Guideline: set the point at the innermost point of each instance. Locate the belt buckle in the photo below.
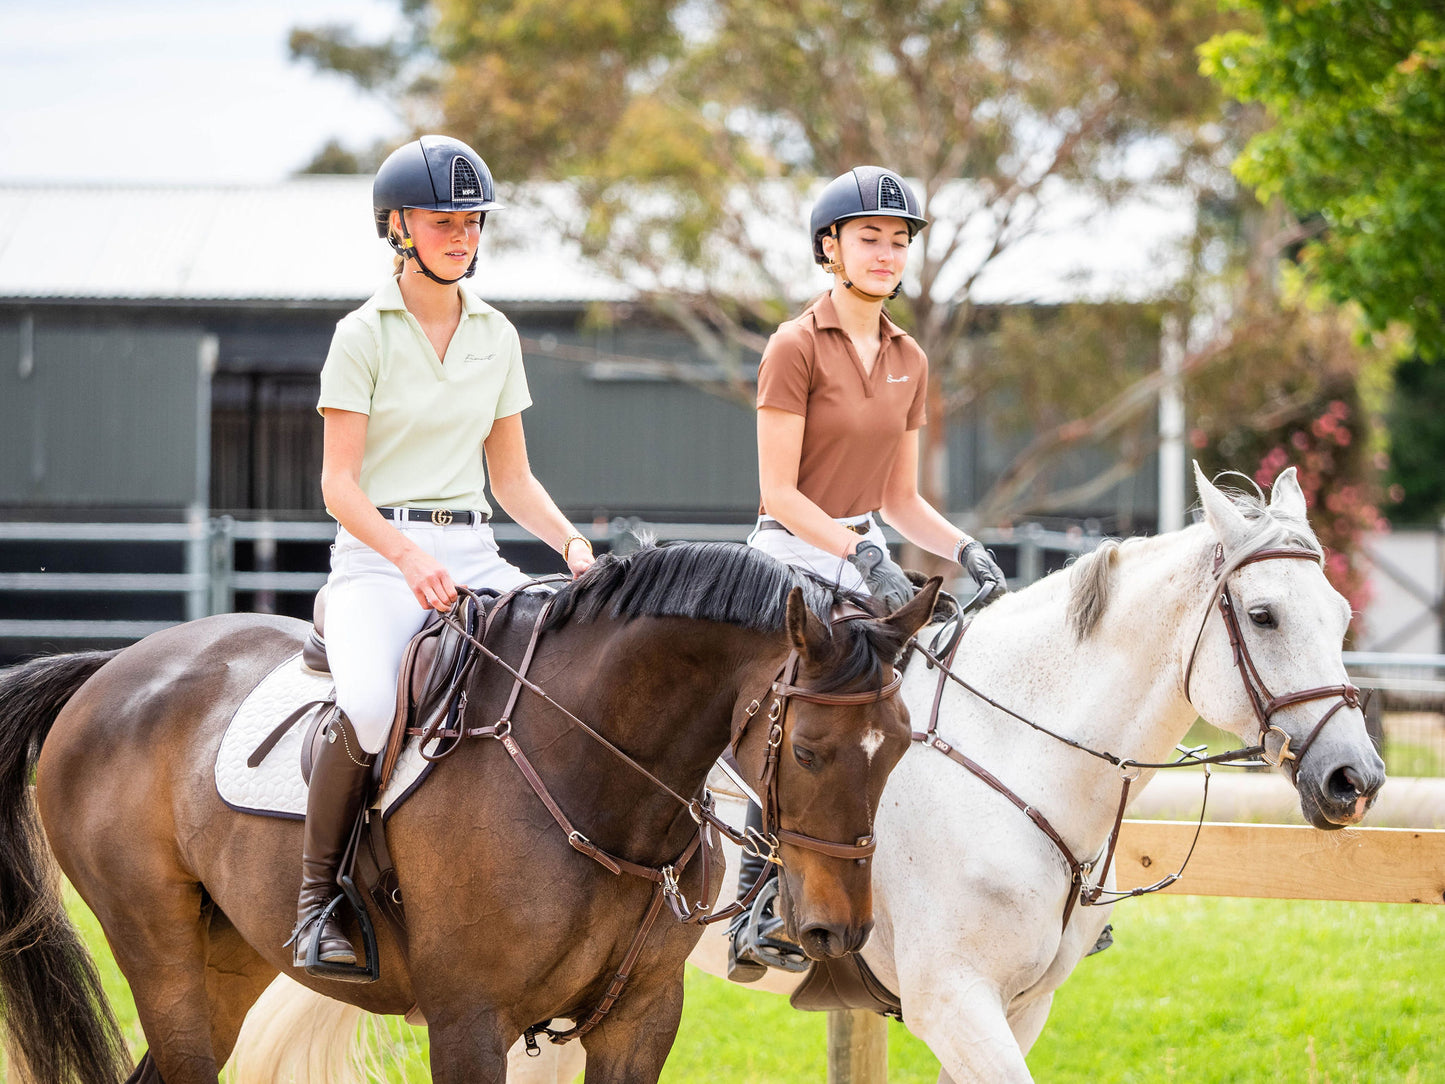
(441, 516)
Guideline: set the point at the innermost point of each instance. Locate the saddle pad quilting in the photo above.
(275, 787)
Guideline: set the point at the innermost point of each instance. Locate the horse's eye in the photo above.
(1263, 617)
(804, 757)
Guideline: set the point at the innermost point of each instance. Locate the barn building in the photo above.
(158, 366)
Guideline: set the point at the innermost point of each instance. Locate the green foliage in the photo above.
(1299, 391)
(1416, 476)
(1356, 96)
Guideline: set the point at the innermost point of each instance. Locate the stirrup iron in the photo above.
(753, 946)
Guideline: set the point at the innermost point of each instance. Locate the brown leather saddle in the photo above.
(433, 672)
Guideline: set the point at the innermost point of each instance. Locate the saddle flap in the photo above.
(845, 983)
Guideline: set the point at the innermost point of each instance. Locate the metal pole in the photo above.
(857, 1047)
(222, 597)
(198, 549)
(1171, 424)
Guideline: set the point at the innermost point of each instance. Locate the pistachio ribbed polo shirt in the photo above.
(428, 417)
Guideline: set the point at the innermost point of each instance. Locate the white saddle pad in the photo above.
(275, 787)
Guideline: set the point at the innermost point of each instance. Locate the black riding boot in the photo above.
(756, 937)
(340, 774)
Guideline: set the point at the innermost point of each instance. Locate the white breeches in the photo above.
(371, 613)
(830, 567)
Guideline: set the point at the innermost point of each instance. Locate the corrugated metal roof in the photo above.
(307, 240)
(310, 240)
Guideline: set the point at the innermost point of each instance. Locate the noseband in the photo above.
(1265, 703)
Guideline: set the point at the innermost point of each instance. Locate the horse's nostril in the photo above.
(1346, 785)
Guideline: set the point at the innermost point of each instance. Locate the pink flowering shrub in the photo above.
(1326, 445)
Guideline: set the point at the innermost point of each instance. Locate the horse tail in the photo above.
(291, 1033)
(58, 1025)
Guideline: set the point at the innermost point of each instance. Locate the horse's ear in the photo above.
(914, 614)
(807, 633)
(1227, 520)
(1287, 498)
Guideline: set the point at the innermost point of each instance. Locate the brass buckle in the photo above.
(441, 517)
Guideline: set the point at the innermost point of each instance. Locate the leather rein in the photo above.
(1085, 889)
(666, 878)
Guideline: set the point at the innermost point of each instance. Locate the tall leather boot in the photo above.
(340, 775)
(756, 937)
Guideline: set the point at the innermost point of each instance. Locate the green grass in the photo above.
(1408, 759)
(1208, 991)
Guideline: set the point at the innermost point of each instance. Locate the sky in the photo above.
(174, 90)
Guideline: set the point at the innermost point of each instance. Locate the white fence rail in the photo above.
(210, 580)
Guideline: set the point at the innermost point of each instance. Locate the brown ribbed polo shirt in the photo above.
(855, 419)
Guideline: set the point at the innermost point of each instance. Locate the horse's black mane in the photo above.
(729, 583)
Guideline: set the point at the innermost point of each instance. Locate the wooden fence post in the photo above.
(857, 1047)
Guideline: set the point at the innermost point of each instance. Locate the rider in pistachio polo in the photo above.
(422, 394)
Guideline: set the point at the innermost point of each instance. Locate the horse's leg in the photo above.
(634, 1039)
(967, 1031)
(1028, 1021)
(160, 946)
(467, 1047)
(236, 976)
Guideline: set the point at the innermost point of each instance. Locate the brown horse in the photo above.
(662, 652)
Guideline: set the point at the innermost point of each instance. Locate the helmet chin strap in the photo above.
(835, 266)
(406, 249)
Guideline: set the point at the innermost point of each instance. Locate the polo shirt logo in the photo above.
(489, 357)
(898, 379)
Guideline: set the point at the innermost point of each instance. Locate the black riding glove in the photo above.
(884, 578)
(979, 564)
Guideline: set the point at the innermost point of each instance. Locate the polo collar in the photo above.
(825, 315)
(389, 299)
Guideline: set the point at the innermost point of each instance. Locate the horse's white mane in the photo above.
(1092, 576)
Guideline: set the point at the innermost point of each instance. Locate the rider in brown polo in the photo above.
(841, 397)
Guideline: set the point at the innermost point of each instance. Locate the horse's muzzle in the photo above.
(823, 941)
(1341, 795)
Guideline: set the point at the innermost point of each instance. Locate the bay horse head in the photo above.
(836, 732)
(808, 688)
(1266, 663)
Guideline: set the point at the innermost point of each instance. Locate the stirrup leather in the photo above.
(771, 949)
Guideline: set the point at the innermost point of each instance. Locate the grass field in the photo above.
(1205, 991)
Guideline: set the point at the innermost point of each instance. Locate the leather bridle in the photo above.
(1086, 888)
(1264, 702)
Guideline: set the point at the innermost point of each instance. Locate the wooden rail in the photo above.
(1268, 861)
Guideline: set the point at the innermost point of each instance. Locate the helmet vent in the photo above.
(890, 195)
(466, 185)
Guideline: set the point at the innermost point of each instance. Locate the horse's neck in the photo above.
(1118, 690)
(663, 689)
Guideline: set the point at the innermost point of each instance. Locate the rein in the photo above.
(666, 879)
(1083, 891)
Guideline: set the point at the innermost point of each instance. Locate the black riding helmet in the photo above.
(433, 173)
(861, 192)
